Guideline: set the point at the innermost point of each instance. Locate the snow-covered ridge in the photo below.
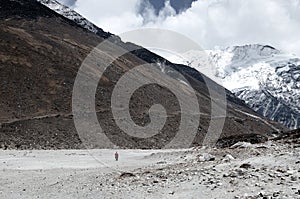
(70, 14)
(266, 78)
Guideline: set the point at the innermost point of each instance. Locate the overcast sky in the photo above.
(209, 22)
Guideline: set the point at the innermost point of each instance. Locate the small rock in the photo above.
(281, 170)
(240, 171)
(271, 175)
(291, 172)
(206, 157)
(241, 145)
(126, 174)
(245, 166)
(261, 194)
(172, 192)
(228, 158)
(293, 178)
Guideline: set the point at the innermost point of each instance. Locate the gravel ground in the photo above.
(269, 170)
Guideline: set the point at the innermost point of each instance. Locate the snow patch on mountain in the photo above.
(70, 14)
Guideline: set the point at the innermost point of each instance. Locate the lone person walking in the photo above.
(116, 156)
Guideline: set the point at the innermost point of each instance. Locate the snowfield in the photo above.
(242, 171)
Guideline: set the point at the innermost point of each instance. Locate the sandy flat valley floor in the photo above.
(269, 170)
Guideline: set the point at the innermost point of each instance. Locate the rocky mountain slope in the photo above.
(40, 54)
(267, 79)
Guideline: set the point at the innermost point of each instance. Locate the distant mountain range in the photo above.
(267, 79)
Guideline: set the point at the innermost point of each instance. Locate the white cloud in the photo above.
(209, 22)
(115, 16)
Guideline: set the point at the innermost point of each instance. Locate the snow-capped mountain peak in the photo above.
(267, 79)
